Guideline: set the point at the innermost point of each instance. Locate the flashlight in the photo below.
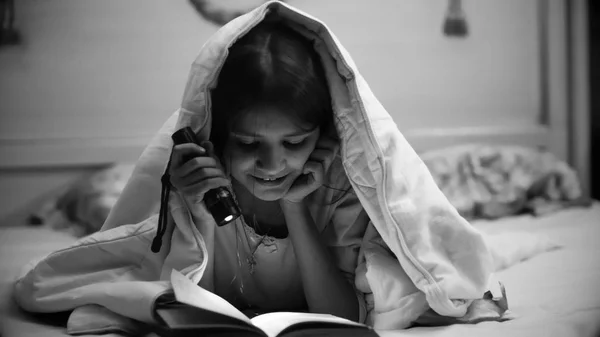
(219, 201)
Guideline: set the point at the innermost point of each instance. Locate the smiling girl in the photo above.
(272, 141)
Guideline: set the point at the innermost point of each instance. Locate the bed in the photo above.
(555, 293)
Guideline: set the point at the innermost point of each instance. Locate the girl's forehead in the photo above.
(270, 122)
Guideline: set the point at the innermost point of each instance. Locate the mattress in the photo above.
(556, 293)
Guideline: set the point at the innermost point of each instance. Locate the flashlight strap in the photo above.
(164, 209)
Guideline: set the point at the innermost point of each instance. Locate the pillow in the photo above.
(84, 206)
(481, 182)
(492, 181)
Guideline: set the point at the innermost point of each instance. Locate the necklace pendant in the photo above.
(251, 263)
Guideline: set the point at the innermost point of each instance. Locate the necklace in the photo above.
(251, 260)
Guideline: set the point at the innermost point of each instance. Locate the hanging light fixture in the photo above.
(8, 33)
(455, 23)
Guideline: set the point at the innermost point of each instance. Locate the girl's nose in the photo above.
(270, 160)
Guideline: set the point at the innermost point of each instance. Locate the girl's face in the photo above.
(266, 151)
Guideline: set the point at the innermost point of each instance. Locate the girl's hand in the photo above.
(195, 170)
(314, 170)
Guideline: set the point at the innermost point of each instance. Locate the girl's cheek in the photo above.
(245, 158)
(242, 154)
(299, 159)
(241, 158)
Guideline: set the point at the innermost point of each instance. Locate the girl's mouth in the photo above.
(269, 181)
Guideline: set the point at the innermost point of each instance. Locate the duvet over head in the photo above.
(417, 252)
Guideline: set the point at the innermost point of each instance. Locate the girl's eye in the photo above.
(246, 144)
(294, 144)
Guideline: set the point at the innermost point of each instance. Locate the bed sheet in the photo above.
(556, 293)
(18, 246)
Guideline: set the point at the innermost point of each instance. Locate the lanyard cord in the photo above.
(164, 209)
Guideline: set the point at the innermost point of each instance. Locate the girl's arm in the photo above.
(325, 288)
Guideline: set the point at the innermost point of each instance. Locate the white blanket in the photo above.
(437, 260)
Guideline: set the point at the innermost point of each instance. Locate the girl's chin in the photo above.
(270, 191)
(269, 195)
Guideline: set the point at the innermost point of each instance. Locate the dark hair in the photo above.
(271, 66)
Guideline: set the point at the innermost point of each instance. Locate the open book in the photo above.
(193, 311)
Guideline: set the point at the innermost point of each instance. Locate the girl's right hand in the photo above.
(195, 170)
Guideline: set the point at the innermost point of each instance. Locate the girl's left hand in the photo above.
(314, 170)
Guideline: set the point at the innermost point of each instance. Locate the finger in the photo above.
(210, 149)
(200, 188)
(329, 144)
(324, 157)
(208, 145)
(319, 155)
(192, 165)
(184, 152)
(199, 175)
(314, 172)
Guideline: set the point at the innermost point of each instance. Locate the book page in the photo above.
(191, 294)
(274, 323)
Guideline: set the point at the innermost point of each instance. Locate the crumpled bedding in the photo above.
(83, 207)
(539, 290)
(492, 181)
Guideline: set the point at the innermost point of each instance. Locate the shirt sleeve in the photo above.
(344, 237)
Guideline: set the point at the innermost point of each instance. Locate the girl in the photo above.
(296, 246)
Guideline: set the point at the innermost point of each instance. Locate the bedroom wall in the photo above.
(594, 78)
(489, 78)
(90, 83)
(94, 80)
